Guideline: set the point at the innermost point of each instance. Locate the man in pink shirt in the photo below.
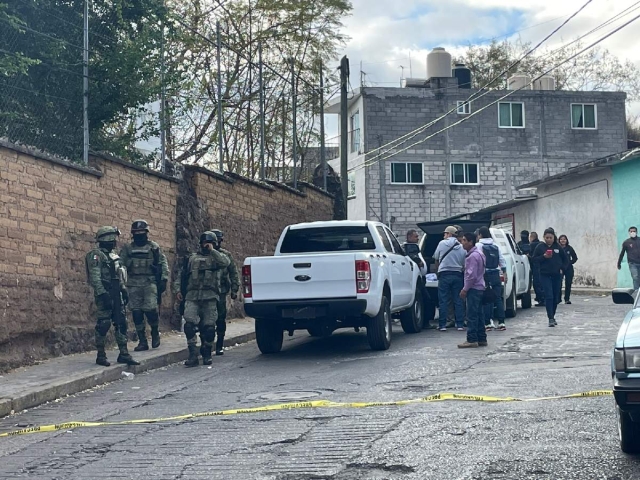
(473, 291)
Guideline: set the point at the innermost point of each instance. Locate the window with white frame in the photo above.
(511, 114)
(407, 173)
(351, 185)
(464, 108)
(584, 116)
(464, 174)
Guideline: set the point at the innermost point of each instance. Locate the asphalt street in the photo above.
(555, 439)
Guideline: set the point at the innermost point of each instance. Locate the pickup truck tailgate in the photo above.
(300, 277)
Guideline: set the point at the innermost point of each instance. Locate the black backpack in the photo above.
(492, 256)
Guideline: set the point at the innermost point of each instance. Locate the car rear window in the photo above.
(329, 239)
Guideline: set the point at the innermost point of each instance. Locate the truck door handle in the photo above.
(393, 261)
(403, 263)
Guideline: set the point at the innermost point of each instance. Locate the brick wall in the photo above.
(50, 211)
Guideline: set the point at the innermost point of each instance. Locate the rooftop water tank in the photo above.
(438, 63)
(546, 82)
(519, 81)
(463, 74)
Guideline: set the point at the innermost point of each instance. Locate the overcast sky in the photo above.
(386, 34)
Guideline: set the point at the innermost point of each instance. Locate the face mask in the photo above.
(140, 238)
(633, 234)
(108, 245)
(204, 249)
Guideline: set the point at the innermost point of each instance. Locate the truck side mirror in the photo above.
(623, 296)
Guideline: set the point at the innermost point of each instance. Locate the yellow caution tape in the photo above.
(438, 397)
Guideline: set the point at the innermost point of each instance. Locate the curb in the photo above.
(71, 385)
(589, 292)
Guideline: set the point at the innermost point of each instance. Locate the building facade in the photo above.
(477, 155)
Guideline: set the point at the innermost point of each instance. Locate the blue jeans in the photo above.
(449, 287)
(492, 279)
(634, 268)
(552, 285)
(475, 322)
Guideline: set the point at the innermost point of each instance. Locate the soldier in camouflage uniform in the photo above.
(230, 283)
(148, 272)
(108, 277)
(203, 292)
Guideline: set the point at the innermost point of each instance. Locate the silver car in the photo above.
(625, 370)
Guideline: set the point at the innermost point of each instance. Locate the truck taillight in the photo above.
(246, 281)
(363, 276)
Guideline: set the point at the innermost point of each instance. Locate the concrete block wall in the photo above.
(507, 158)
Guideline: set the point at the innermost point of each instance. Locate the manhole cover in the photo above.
(289, 396)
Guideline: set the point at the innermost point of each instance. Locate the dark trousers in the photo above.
(537, 284)
(475, 320)
(568, 281)
(492, 279)
(449, 287)
(551, 284)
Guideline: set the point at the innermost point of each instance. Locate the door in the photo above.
(406, 273)
(521, 271)
(394, 268)
(500, 239)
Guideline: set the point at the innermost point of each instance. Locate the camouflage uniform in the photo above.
(143, 258)
(230, 283)
(103, 270)
(203, 292)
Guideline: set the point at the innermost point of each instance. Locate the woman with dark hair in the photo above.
(568, 273)
(552, 261)
(534, 241)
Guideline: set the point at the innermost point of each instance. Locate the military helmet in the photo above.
(138, 225)
(107, 234)
(208, 237)
(218, 233)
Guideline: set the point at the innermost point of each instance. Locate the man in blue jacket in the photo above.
(450, 257)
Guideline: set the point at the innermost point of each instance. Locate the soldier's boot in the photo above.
(127, 359)
(101, 359)
(206, 355)
(193, 360)
(220, 345)
(155, 337)
(138, 321)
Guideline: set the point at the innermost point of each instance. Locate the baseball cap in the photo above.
(451, 230)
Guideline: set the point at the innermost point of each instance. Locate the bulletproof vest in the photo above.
(492, 256)
(110, 268)
(202, 275)
(141, 260)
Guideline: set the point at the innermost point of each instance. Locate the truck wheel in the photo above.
(269, 335)
(412, 318)
(379, 327)
(512, 304)
(526, 300)
(629, 432)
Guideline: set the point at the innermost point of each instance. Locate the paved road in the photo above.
(568, 439)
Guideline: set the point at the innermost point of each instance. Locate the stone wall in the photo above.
(51, 209)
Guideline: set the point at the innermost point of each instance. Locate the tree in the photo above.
(633, 128)
(41, 96)
(596, 70)
(306, 30)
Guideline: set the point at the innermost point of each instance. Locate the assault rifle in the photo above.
(118, 278)
(157, 271)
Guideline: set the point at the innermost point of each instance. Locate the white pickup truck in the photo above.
(329, 275)
(518, 286)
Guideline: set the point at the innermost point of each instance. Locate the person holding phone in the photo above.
(553, 261)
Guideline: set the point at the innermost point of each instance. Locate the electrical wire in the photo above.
(474, 96)
(363, 165)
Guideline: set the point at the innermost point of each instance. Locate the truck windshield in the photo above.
(329, 239)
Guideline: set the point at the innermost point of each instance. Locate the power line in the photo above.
(28, 29)
(473, 96)
(501, 98)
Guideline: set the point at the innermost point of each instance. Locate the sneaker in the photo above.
(461, 329)
(443, 329)
(490, 325)
(502, 326)
(552, 322)
(483, 344)
(555, 323)
(567, 302)
(468, 345)
(540, 304)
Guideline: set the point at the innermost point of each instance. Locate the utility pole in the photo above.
(323, 156)
(220, 119)
(261, 86)
(85, 86)
(163, 93)
(402, 74)
(295, 133)
(344, 124)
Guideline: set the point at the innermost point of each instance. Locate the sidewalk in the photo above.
(28, 387)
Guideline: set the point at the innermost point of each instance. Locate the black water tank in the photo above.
(463, 74)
